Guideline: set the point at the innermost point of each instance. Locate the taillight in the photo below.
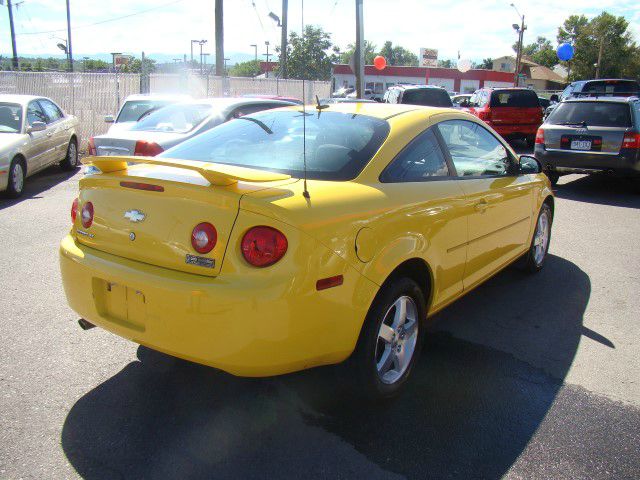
(91, 148)
(74, 210)
(540, 136)
(87, 215)
(147, 149)
(484, 115)
(631, 140)
(204, 237)
(263, 246)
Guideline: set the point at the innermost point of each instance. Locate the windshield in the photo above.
(432, 97)
(601, 114)
(179, 118)
(10, 117)
(134, 109)
(612, 87)
(338, 145)
(514, 98)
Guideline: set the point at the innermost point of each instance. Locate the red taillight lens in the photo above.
(87, 215)
(91, 148)
(540, 136)
(484, 115)
(147, 149)
(631, 140)
(74, 210)
(204, 237)
(263, 246)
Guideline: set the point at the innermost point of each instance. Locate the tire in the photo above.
(384, 357)
(552, 176)
(15, 182)
(534, 259)
(70, 161)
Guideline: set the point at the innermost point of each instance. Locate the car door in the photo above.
(430, 213)
(38, 150)
(498, 201)
(57, 129)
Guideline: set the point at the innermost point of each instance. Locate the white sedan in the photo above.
(34, 133)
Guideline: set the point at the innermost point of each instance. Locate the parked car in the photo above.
(326, 101)
(368, 95)
(608, 87)
(297, 101)
(427, 95)
(591, 135)
(176, 123)
(461, 101)
(544, 102)
(218, 252)
(512, 112)
(34, 133)
(137, 106)
(343, 92)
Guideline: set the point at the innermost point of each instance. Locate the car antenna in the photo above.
(305, 192)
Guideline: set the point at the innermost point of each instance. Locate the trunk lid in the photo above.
(155, 226)
(602, 139)
(516, 115)
(123, 142)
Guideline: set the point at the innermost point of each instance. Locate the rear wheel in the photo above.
(15, 183)
(70, 162)
(533, 261)
(390, 341)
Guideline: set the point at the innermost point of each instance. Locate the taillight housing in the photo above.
(74, 210)
(91, 147)
(540, 136)
(204, 237)
(631, 140)
(86, 216)
(484, 115)
(263, 246)
(147, 149)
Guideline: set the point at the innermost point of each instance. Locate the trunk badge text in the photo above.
(134, 216)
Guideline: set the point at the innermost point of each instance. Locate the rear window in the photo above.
(432, 97)
(613, 87)
(134, 109)
(338, 145)
(514, 98)
(177, 118)
(601, 114)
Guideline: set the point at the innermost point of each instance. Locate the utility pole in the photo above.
(600, 55)
(283, 40)
(16, 65)
(359, 53)
(201, 42)
(219, 40)
(70, 51)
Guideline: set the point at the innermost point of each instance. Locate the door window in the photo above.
(421, 160)
(475, 152)
(35, 113)
(51, 110)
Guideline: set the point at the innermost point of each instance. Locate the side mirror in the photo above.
(529, 164)
(109, 119)
(554, 98)
(36, 127)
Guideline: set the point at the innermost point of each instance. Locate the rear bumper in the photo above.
(515, 130)
(243, 325)
(626, 163)
(4, 178)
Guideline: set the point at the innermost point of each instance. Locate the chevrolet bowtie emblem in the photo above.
(135, 215)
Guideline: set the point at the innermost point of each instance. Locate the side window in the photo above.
(35, 113)
(421, 160)
(475, 152)
(51, 110)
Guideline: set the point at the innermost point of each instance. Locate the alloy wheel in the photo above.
(17, 178)
(541, 239)
(72, 155)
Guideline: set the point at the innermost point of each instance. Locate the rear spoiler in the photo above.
(216, 173)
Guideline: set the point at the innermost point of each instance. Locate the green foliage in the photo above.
(541, 52)
(93, 65)
(446, 64)
(245, 69)
(369, 53)
(398, 55)
(486, 64)
(311, 55)
(136, 65)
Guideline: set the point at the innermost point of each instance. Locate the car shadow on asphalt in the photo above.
(37, 184)
(492, 366)
(599, 189)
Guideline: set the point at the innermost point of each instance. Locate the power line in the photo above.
(141, 12)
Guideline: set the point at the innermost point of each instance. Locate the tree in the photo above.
(95, 65)
(369, 53)
(541, 52)
(245, 69)
(397, 55)
(136, 65)
(311, 55)
(486, 64)
(446, 64)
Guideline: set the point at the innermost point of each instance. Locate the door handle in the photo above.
(49, 134)
(482, 205)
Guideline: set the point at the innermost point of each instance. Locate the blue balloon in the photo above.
(565, 52)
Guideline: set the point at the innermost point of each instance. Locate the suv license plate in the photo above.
(580, 144)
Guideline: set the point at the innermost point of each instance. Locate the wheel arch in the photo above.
(23, 160)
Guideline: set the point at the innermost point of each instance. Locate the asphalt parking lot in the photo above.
(526, 377)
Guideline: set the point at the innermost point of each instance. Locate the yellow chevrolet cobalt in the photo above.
(293, 238)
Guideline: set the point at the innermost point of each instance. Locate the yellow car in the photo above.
(288, 239)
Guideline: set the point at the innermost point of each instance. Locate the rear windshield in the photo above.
(133, 110)
(432, 97)
(10, 117)
(602, 114)
(514, 98)
(338, 145)
(177, 118)
(613, 87)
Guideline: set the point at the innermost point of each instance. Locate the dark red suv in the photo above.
(512, 112)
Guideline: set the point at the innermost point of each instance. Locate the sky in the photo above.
(476, 29)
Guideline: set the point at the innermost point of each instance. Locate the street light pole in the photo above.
(16, 64)
(266, 73)
(283, 40)
(359, 53)
(69, 49)
(520, 29)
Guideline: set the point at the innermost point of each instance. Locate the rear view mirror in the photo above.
(529, 164)
(109, 118)
(37, 127)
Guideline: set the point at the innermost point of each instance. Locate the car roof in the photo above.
(602, 99)
(382, 111)
(158, 96)
(407, 86)
(230, 102)
(20, 99)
